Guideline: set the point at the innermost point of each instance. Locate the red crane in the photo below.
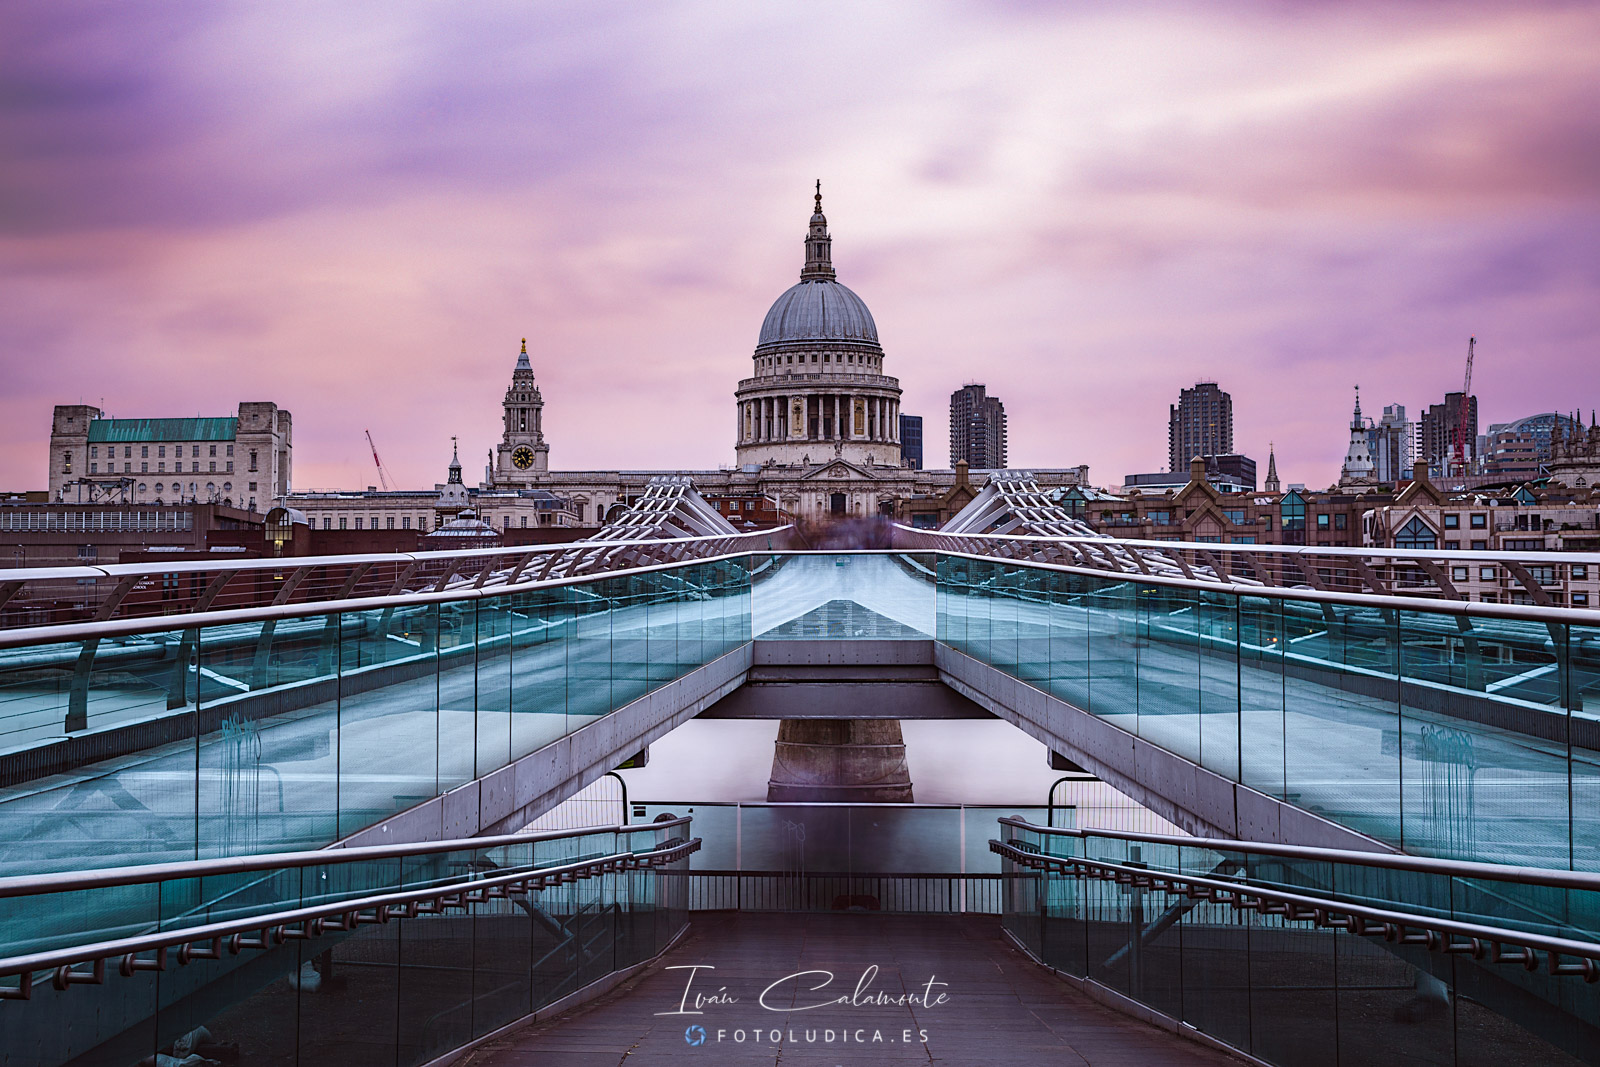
(1459, 464)
(383, 477)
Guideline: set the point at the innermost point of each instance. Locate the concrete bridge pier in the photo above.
(844, 760)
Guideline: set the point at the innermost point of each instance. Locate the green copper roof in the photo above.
(135, 430)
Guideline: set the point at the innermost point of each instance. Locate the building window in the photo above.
(158, 488)
(1452, 522)
(1480, 546)
(252, 487)
(141, 487)
(252, 459)
(161, 466)
(214, 468)
(144, 451)
(405, 522)
(230, 466)
(1235, 516)
(522, 521)
(213, 450)
(66, 459)
(388, 522)
(327, 522)
(161, 450)
(374, 522)
(178, 466)
(227, 487)
(358, 522)
(1486, 574)
(1580, 600)
(1452, 546)
(1293, 513)
(1339, 521)
(1322, 522)
(1480, 521)
(230, 451)
(1580, 572)
(194, 451)
(1415, 534)
(1458, 574)
(127, 468)
(94, 453)
(144, 467)
(343, 520)
(94, 468)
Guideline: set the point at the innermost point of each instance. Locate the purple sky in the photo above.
(356, 210)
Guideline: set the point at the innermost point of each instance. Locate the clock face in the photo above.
(522, 458)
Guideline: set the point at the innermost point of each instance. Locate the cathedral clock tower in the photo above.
(522, 456)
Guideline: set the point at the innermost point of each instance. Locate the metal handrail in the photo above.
(211, 566)
(430, 571)
(277, 928)
(52, 634)
(1436, 556)
(1524, 612)
(1487, 943)
(143, 874)
(124, 627)
(1540, 876)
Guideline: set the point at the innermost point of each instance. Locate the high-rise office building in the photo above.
(1199, 424)
(1441, 427)
(1389, 442)
(911, 441)
(977, 428)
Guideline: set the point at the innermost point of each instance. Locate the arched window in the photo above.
(1416, 534)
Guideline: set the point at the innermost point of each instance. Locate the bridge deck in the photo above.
(1003, 1009)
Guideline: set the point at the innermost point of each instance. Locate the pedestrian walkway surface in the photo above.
(1000, 1008)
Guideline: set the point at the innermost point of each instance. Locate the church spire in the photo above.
(819, 246)
(522, 360)
(455, 464)
(1271, 484)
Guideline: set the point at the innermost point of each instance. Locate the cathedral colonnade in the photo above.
(819, 416)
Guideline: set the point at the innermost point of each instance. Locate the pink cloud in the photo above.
(358, 213)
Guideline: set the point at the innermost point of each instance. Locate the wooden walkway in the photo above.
(1001, 1008)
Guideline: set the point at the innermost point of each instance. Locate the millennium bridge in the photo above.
(279, 810)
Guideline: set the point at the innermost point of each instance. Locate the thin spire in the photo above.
(819, 246)
(522, 360)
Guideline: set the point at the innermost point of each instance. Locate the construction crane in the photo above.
(383, 476)
(1465, 422)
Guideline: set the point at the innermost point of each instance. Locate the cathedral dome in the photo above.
(818, 309)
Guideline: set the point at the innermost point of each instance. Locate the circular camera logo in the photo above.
(695, 1035)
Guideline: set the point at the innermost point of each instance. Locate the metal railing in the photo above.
(1479, 941)
(1280, 568)
(792, 891)
(1307, 955)
(202, 940)
(48, 596)
(527, 920)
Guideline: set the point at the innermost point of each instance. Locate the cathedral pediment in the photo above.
(839, 470)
